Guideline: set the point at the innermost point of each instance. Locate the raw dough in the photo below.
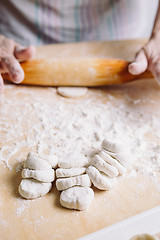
(78, 198)
(99, 179)
(108, 159)
(51, 159)
(72, 172)
(73, 160)
(111, 147)
(64, 183)
(33, 162)
(71, 92)
(144, 237)
(116, 151)
(104, 167)
(31, 188)
(40, 175)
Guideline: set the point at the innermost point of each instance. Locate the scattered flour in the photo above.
(47, 124)
(57, 126)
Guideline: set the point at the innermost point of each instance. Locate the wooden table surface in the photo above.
(44, 218)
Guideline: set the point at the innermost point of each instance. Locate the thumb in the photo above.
(23, 54)
(139, 65)
(1, 84)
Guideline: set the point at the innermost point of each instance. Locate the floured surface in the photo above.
(38, 120)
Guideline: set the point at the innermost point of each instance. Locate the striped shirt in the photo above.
(52, 21)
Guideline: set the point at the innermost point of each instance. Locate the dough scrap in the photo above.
(114, 162)
(117, 152)
(104, 167)
(33, 162)
(51, 159)
(71, 92)
(144, 237)
(31, 188)
(99, 179)
(78, 198)
(110, 146)
(73, 160)
(64, 183)
(40, 175)
(71, 172)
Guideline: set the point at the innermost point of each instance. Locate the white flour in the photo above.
(46, 123)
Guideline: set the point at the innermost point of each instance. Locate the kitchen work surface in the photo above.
(37, 119)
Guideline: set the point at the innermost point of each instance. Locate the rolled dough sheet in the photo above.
(71, 92)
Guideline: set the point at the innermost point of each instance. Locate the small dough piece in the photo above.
(100, 180)
(71, 92)
(110, 146)
(71, 172)
(40, 175)
(144, 237)
(73, 160)
(31, 188)
(104, 167)
(51, 159)
(78, 198)
(114, 162)
(82, 180)
(33, 162)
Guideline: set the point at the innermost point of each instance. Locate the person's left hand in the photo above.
(148, 58)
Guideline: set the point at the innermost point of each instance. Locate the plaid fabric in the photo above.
(51, 21)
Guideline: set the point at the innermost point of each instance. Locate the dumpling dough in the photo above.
(108, 159)
(47, 175)
(103, 166)
(73, 160)
(116, 151)
(71, 92)
(31, 188)
(51, 159)
(99, 179)
(72, 172)
(33, 162)
(111, 147)
(78, 198)
(64, 183)
(144, 237)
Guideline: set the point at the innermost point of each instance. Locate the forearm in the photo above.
(156, 26)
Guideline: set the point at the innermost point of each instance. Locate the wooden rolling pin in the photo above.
(77, 72)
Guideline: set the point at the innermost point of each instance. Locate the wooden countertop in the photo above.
(44, 218)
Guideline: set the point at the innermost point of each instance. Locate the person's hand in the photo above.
(148, 58)
(10, 55)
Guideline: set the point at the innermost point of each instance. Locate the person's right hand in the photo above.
(10, 55)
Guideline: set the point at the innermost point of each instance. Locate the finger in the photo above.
(24, 54)
(139, 65)
(1, 84)
(155, 69)
(12, 66)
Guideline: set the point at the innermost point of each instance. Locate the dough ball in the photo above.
(78, 198)
(31, 188)
(33, 162)
(104, 167)
(71, 92)
(110, 146)
(64, 183)
(117, 151)
(71, 172)
(40, 175)
(99, 179)
(144, 237)
(73, 160)
(114, 162)
(51, 159)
